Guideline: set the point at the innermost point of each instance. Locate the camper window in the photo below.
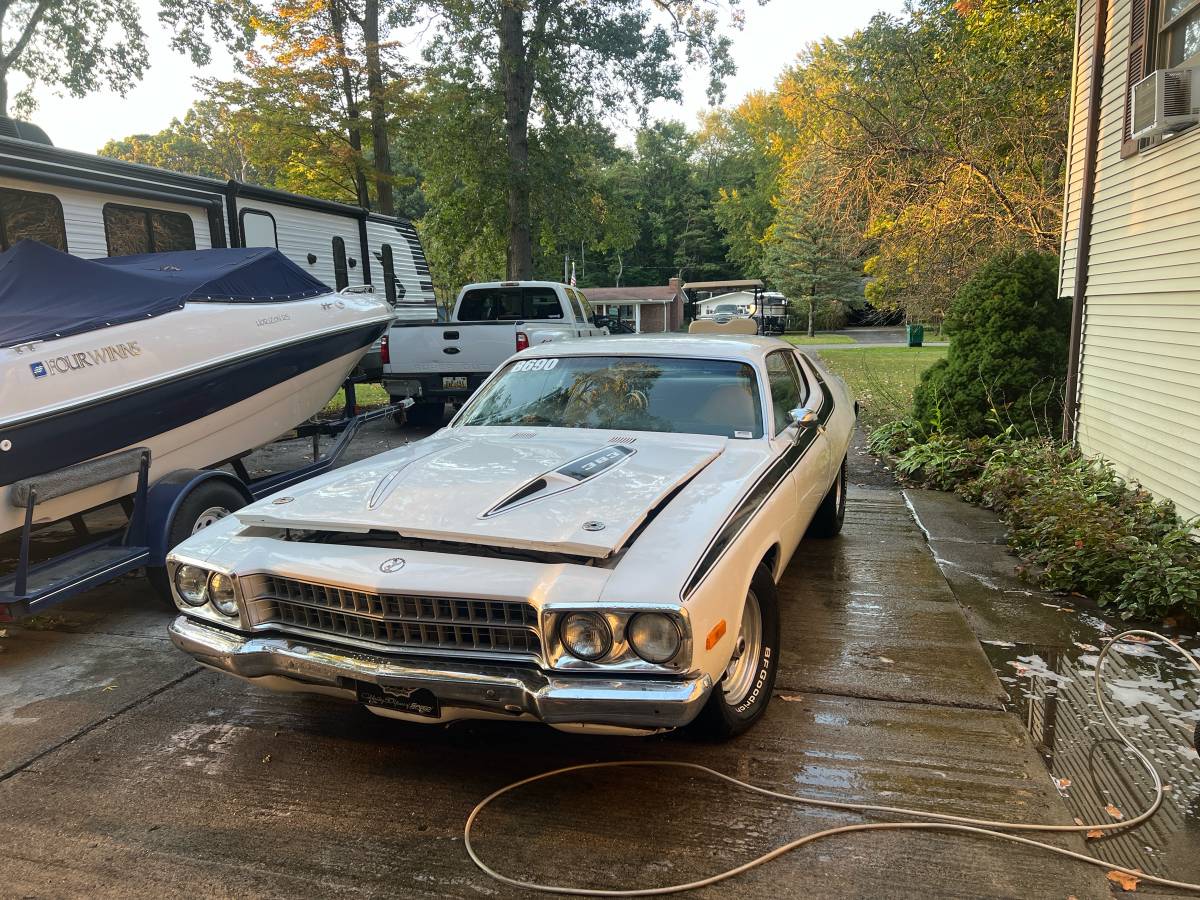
(138, 229)
(38, 217)
(258, 229)
(341, 274)
(389, 275)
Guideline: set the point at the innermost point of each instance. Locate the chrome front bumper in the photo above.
(463, 688)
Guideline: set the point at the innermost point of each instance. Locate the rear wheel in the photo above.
(831, 513)
(423, 415)
(206, 504)
(740, 698)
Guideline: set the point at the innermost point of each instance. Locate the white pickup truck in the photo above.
(436, 362)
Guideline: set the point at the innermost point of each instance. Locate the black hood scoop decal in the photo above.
(569, 475)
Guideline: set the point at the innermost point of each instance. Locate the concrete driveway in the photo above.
(127, 770)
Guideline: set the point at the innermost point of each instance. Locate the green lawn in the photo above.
(882, 379)
(367, 395)
(802, 339)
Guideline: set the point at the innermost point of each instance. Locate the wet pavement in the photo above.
(127, 770)
(1044, 648)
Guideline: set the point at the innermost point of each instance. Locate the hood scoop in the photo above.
(569, 475)
(545, 495)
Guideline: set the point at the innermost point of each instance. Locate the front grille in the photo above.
(394, 620)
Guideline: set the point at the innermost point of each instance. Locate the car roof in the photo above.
(750, 348)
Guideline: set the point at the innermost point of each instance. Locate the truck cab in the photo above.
(438, 362)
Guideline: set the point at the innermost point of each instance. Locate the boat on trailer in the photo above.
(131, 378)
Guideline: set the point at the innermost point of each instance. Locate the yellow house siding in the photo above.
(1139, 397)
(1084, 33)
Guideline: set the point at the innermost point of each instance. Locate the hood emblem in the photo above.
(593, 526)
(395, 564)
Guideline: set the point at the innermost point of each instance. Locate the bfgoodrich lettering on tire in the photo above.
(740, 698)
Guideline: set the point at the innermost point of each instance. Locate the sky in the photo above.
(772, 37)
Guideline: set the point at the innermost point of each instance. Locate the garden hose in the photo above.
(933, 821)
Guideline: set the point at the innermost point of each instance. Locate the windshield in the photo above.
(637, 393)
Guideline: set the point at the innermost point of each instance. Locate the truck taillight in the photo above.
(522, 341)
(385, 355)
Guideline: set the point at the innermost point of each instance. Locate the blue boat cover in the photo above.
(46, 294)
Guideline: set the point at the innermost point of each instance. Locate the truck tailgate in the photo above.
(449, 347)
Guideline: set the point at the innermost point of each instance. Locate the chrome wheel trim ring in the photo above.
(742, 670)
(210, 516)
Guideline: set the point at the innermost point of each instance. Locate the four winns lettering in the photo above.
(61, 365)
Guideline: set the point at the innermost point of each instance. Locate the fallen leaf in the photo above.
(1114, 812)
(109, 687)
(3, 632)
(1094, 834)
(1090, 648)
(1136, 639)
(1124, 879)
(267, 758)
(1063, 784)
(884, 659)
(1078, 821)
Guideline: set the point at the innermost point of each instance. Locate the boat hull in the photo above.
(194, 416)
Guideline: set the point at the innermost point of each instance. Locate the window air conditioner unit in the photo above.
(1165, 100)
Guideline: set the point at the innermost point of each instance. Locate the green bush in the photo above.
(1008, 352)
(1083, 528)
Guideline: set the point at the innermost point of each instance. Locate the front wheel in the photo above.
(740, 698)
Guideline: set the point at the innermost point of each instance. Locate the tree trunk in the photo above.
(337, 21)
(4, 93)
(375, 99)
(515, 74)
(812, 309)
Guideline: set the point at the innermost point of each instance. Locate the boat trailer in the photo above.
(152, 512)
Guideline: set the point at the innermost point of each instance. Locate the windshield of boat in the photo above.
(636, 393)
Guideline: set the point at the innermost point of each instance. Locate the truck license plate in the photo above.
(454, 382)
(415, 701)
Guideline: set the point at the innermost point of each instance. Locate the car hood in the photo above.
(575, 492)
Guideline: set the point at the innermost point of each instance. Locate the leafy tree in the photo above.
(1008, 352)
(556, 61)
(808, 258)
(940, 136)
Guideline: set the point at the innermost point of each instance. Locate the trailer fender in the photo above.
(168, 494)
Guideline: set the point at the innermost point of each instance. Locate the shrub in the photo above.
(1008, 352)
(945, 461)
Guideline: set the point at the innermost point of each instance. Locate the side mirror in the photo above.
(803, 416)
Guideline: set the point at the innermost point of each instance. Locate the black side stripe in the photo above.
(758, 495)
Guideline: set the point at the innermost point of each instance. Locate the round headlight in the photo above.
(653, 636)
(585, 635)
(220, 592)
(192, 584)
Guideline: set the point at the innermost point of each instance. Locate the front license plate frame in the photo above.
(414, 701)
(454, 382)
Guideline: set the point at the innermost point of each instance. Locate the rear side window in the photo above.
(33, 216)
(138, 229)
(578, 310)
(341, 273)
(509, 304)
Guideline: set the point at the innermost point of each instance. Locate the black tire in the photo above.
(423, 415)
(205, 503)
(740, 698)
(831, 513)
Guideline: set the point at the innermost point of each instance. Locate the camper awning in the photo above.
(47, 294)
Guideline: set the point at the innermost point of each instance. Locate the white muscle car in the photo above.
(593, 542)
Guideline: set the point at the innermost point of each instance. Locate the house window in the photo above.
(341, 272)
(258, 229)
(137, 229)
(26, 214)
(1162, 34)
(1178, 40)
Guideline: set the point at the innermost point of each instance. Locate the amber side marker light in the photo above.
(715, 635)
